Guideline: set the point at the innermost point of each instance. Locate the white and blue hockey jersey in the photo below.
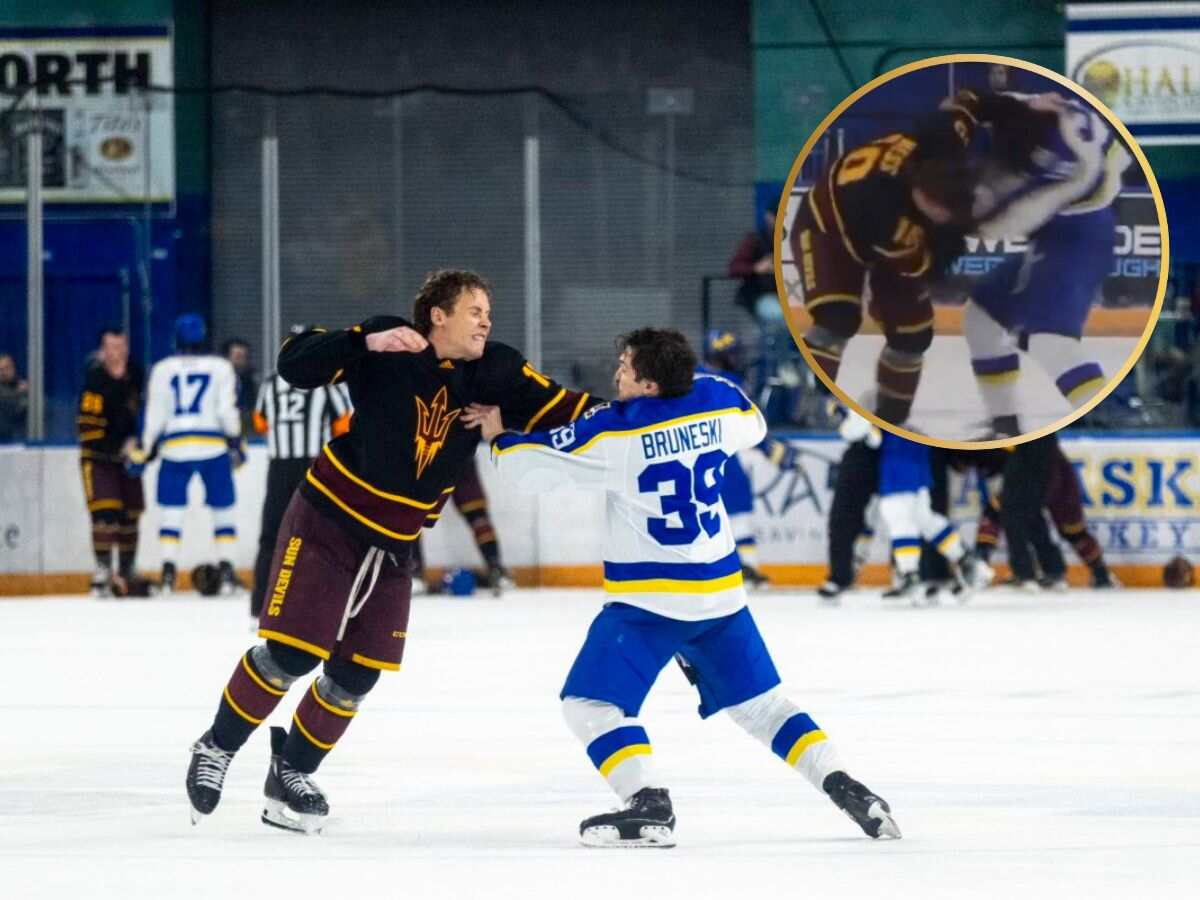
(1076, 169)
(668, 547)
(191, 408)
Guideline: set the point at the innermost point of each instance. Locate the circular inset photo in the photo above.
(971, 251)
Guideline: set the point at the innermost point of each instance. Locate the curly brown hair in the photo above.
(442, 289)
(661, 355)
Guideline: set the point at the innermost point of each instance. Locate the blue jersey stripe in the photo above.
(639, 571)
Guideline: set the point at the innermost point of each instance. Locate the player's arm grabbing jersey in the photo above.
(1070, 161)
(668, 547)
(191, 408)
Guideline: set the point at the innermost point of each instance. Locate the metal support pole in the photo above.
(533, 253)
(34, 284)
(398, 192)
(147, 248)
(271, 311)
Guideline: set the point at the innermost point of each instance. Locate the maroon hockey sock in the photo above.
(247, 700)
(317, 725)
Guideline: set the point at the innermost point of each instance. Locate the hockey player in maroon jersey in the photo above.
(889, 215)
(106, 422)
(340, 583)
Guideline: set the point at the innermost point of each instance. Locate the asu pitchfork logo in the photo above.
(433, 424)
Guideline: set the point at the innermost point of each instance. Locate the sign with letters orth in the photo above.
(102, 133)
(1143, 61)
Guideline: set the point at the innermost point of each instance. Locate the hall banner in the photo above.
(1143, 61)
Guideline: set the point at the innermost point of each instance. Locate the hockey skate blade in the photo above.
(277, 815)
(196, 815)
(888, 829)
(608, 836)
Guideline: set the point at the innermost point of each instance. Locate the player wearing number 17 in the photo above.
(673, 583)
(192, 423)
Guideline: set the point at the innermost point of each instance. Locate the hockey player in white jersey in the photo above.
(906, 511)
(192, 424)
(1060, 170)
(673, 583)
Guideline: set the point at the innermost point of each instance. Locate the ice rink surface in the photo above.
(1030, 746)
(948, 404)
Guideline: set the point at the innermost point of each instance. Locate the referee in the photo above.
(297, 425)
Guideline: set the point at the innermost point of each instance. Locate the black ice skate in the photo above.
(909, 588)
(101, 586)
(292, 800)
(499, 580)
(871, 813)
(647, 821)
(973, 575)
(830, 592)
(227, 582)
(166, 584)
(754, 579)
(1103, 579)
(206, 775)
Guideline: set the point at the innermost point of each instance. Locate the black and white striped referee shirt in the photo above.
(299, 423)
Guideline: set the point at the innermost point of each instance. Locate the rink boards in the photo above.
(1142, 494)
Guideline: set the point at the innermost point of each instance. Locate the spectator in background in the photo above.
(14, 401)
(754, 263)
(237, 351)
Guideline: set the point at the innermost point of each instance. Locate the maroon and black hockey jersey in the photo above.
(391, 473)
(108, 409)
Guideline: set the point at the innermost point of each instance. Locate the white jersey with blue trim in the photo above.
(191, 407)
(668, 547)
(1076, 169)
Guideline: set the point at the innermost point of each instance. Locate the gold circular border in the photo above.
(1079, 91)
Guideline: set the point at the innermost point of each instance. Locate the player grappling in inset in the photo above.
(883, 221)
(1055, 168)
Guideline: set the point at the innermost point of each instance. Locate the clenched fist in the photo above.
(396, 340)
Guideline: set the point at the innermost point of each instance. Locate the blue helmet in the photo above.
(723, 350)
(190, 332)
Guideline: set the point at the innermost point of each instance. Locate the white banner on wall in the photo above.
(1141, 496)
(102, 134)
(1143, 61)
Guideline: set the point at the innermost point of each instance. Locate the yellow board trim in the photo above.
(623, 754)
(345, 714)
(674, 585)
(341, 504)
(374, 663)
(397, 498)
(304, 731)
(241, 712)
(803, 743)
(262, 684)
(537, 417)
(293, 642)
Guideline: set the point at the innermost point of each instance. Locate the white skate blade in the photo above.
(888, 829)
(196, 815)
(276, 814)
(609, 836)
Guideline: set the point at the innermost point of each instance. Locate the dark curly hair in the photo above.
(661, 355)
(442, 289)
